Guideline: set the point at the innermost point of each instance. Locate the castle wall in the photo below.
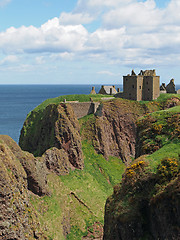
(147, 88)
(82, 109)
(156, 83)
(150, 88)
(132, 87)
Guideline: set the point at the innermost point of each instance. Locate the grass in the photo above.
(165, 97)
(80, 196)
(170, 150)
(78, 199)
(74, 97)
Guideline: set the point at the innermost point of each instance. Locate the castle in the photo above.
(141, 87)
(144, 86)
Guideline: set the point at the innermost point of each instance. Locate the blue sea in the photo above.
(16, 101)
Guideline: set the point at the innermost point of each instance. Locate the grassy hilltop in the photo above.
(113, 162)
(83, 193)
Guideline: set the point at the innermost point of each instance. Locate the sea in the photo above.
(16, 101)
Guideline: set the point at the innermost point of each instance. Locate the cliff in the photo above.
(112, 131)
(55, 126)
(18, 175)
(76, 164)
(145, 205)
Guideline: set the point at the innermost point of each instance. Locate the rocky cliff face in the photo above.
(18, 219)
(137, 214)
(57, 127)
(113, 131)
(145, 205)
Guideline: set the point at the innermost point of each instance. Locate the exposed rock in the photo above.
(174, 101)
(94, 232)
(113, 133)
(57, 161)
(18, 219)
(137, 210)
(57, 127)
(165, 212)
(35, 169)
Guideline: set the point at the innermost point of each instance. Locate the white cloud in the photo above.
(4, 2)
(50, 37)
(40, 60)
(75, 18)
(132, 33)
(108, 73)
(9, 59)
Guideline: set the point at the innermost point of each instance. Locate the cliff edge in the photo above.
(19, 177)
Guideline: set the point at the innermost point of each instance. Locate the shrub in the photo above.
(168, 169)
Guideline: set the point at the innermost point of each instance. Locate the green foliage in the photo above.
(83, 193)
(158, 129)
(74, 97)
(168, 169)
(165, 97)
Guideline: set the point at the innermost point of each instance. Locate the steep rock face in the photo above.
(113, 132)
(165, 212)
(18, 219)
(138, 209)
(56, 126)
(35, 168)
(57, 161)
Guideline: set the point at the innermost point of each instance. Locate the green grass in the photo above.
(165, 97)
(81, 195)
(172, 149)
(74, 97)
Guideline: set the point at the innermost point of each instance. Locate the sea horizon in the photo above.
(17, 100)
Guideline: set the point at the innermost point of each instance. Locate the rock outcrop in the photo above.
(113, 132)
(57, 161)
(57, 127)
(137, 210)
(18, 219)
(35, 168)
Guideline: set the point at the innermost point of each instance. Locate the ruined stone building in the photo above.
(170, 88)
(110, 90)
(93, 91)
(144, 86)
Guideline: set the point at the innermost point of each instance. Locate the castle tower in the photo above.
(144, 86)
(151, 84)
(132, 86)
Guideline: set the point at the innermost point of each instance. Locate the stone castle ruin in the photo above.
(144, 86)
(170, 88)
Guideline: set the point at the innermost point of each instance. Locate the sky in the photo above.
(88, 41)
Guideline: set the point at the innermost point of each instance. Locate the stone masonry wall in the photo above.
(82, 109)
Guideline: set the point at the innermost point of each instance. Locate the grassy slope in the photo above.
(75, 97)
(172, 147)
(91, 186)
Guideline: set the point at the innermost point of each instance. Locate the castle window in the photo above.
(133, 86)
(148, 89)
(147, 82)
(139, 87)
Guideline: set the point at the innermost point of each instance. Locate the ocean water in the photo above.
(16, 101)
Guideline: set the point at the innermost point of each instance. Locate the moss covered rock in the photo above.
(18, 219)
(55, 126)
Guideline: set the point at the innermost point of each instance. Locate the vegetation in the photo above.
(158, 129)
(78, 199)
(74, 97)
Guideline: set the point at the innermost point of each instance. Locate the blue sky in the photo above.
(87, 41)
